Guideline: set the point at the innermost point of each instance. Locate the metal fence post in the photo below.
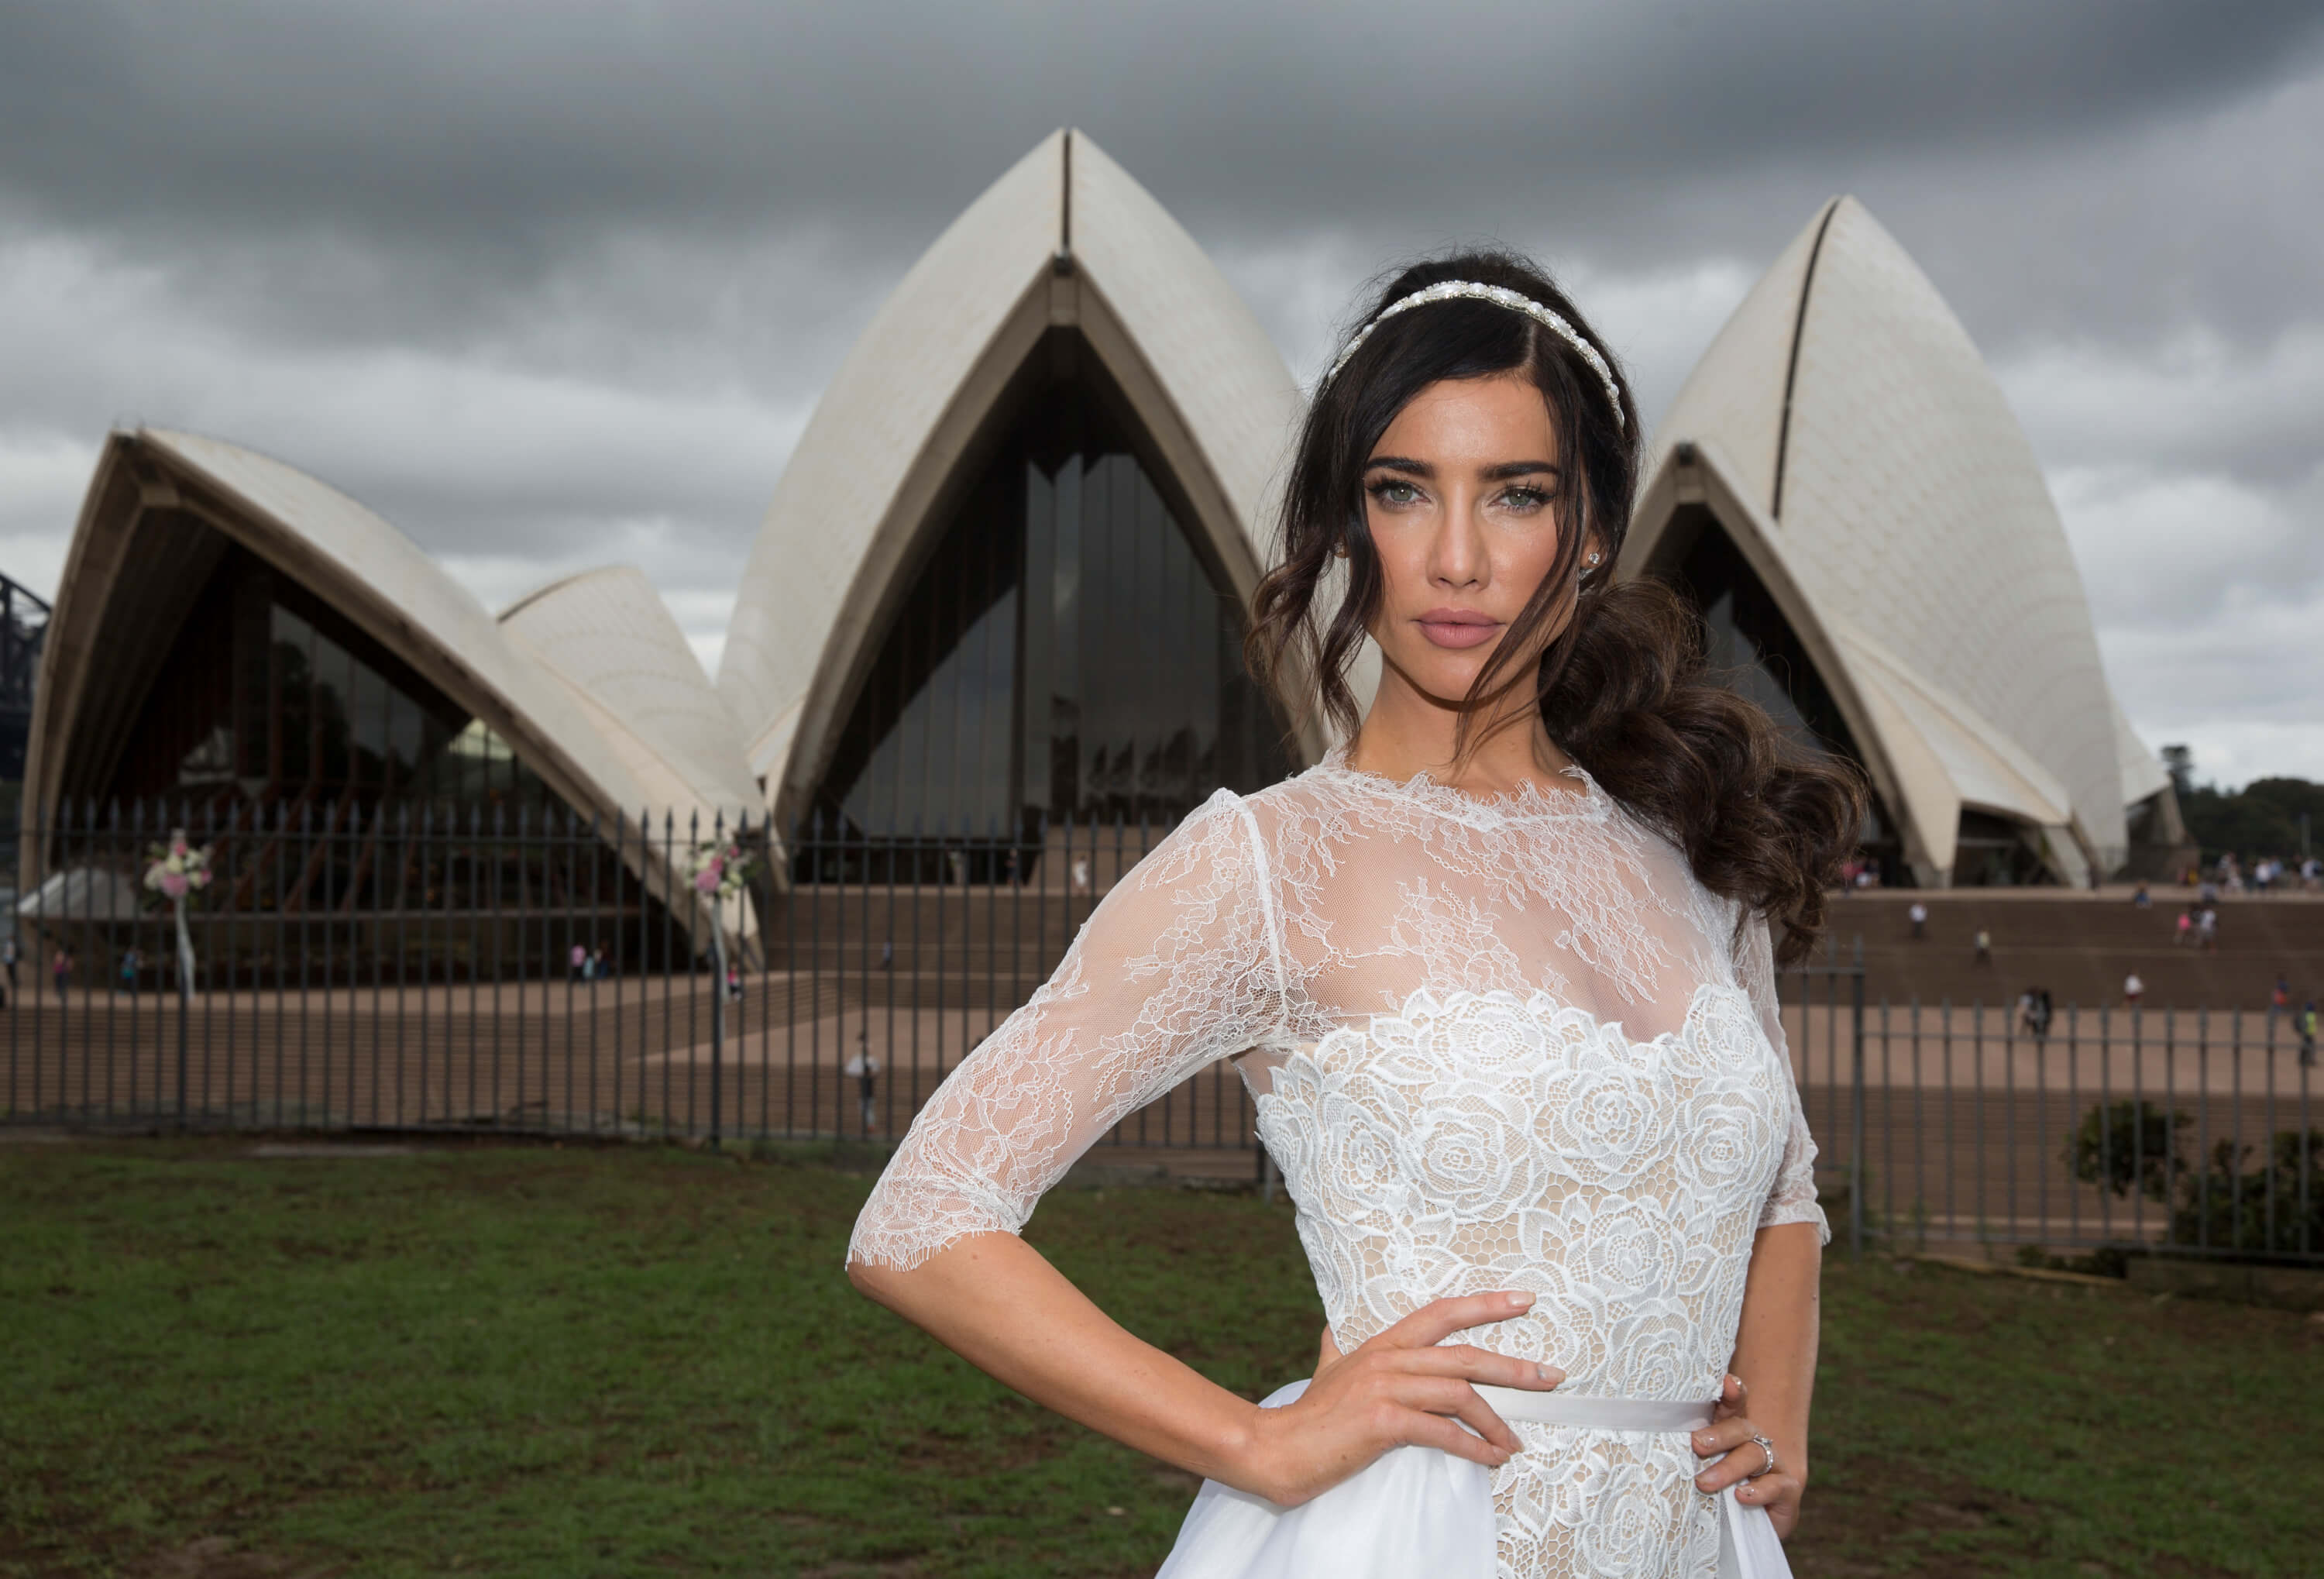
(1856, 1125)
(184, 1007)
(717, 991)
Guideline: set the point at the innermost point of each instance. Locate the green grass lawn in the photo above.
(575, 1361)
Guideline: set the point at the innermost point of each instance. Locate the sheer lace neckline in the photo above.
(1527, 802)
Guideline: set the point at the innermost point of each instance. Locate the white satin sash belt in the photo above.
(1421, 1513)
(1593, 1414)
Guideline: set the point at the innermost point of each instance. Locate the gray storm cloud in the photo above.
(549, 285)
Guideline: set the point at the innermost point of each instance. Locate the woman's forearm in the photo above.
(997, 1302)
(1775, 1341)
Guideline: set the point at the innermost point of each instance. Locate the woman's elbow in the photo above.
(871, 1281)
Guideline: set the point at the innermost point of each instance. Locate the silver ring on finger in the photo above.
(1769, 1448)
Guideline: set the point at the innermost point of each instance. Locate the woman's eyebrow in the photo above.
(1397, 463)
(1491, 473)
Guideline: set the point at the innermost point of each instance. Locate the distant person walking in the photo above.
(132, 962)
(1918, 915)
(864, 1069)
(577, 962)
(2133, 990)
(1984, 946)
(2034, 1012)
(2207, 930)
(8, 958)
(2185, 929)
(2142, 899)
(2308, 1035)
(2279, 1002)
(597, 964)
(61, 966)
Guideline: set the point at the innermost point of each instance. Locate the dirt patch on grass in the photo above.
(216, 1558)
(983, 1453)
(1901, 1525)
(209, 1558)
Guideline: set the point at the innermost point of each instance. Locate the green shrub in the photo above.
(2126, 1145)
(2231, 1205)
(2272, 1208)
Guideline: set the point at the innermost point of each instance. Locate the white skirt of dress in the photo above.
(1414, 1510)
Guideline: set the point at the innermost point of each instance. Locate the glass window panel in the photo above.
(406, 738)
(334, 706)
(368, 726)
(1034, 702)
(294, 711)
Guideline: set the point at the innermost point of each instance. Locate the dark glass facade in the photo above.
(330, 780)
(24, 623)
(1992, 852)
(1064, 650)
(271, 694)
(1750, 643)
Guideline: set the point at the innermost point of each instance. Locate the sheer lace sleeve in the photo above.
(1793, 1198)
(1180, 964)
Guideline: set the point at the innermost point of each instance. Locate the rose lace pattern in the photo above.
(1494, 1044)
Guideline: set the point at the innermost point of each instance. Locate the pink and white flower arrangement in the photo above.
(177, 868)
(720, 869)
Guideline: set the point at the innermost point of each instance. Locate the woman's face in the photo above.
(1460, 494)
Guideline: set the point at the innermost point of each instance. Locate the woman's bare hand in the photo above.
(1730, 1432)
(1400, 1388)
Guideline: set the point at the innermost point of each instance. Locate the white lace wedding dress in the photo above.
(1494, 1044)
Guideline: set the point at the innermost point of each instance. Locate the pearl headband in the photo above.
(1500, 296)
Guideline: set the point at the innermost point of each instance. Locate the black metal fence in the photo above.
(416, 968)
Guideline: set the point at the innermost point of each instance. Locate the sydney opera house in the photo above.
(1001, 579)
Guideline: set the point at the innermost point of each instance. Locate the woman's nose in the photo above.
(1457, 558)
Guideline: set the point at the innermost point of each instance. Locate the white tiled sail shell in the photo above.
(1065, 237)
(1914, 501)
(1902, 497)
(609, 637)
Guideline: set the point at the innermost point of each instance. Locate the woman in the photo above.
(1500, 973)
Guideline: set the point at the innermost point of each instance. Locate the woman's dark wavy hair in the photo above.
(1621, 683)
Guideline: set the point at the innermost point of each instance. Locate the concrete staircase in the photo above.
(2080, 946)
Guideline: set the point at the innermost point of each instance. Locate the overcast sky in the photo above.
(550, 285)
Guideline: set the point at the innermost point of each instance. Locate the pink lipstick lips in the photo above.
(1457, 627)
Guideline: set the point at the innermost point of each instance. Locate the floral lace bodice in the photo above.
(1494, 1044)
